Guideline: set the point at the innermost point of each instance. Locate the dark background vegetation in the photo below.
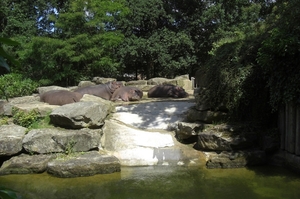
(248, 49)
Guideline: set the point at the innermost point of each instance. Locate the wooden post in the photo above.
(290, 127)
(297, 150)
(281, 127)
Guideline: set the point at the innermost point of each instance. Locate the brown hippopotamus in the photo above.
(60, 97)
(104, 91)
(127, 93)
(167, 90)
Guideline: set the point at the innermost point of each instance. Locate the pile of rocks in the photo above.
(77, 131)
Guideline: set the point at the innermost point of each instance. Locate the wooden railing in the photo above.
(289, 127)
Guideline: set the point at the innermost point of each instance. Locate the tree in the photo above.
(153, 45)
(279, 53)
(3, 55)
(235, 77)
(82, 43)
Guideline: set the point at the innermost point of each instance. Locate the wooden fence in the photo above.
(289, 127)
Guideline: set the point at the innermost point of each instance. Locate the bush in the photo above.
(25, 119)
(15, 85)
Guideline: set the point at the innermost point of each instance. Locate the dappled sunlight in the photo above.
(153, 115)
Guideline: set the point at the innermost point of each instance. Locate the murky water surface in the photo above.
(162, 182)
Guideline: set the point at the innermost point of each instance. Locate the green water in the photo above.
(162, 182)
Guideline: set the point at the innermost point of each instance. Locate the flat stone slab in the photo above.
(86, 164)
(26, 164)
(153, 115)
(56, 140)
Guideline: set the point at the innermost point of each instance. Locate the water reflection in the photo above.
(162, 182)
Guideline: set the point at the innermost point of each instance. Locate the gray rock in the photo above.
(44, 89)
(227, 138)
(235, 159)
(11, 137)
(186, 76)
(85, 83)
(102, 80)
(43, 109)
(186, 130)
(87, 164)
(93, 98)
(53, 140)
(25, 164)
(158, 81)
(81, 115)
(137, 83)
(6, 107)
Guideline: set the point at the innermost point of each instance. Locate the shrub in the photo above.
(15, 85)
(25, 119)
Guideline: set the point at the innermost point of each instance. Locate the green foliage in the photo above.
(82, 43)
(235, 78)
(41, 123)
(69, 148)
(153, 46)
(3, 120)
(31, 119)
(25, 119)
(14, 85)
(4, 55)
(279, 54)
(8, 193)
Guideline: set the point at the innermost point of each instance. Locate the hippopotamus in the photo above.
(104, 91)
(127, 93)
(60, 97)
(167, 90)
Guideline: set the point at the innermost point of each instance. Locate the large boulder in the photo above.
(226, 137)
(86, 164)
(83, 114)
(25, 164)
(55, 140)
(235, 159)
(11, 137)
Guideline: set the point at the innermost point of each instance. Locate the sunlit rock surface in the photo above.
(138, 147)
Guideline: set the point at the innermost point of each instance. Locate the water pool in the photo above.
(162, 182)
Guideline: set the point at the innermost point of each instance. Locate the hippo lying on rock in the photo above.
(104, 91)
(127, 93)
(60, 97)
(167, 90)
